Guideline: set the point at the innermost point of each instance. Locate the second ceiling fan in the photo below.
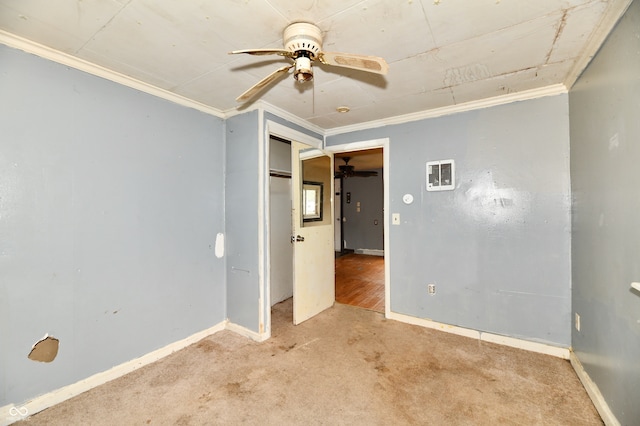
(347, 171)
(303, 45)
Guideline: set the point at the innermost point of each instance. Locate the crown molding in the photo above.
(292, 118)
(615, 10)
(37, 49)
(45, 52)
(263, 107)
(62, 58)
(552, 90)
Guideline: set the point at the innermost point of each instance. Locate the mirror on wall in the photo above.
(312, 201)
(316, 194)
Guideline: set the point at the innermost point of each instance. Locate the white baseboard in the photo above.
(372, 252)
(247, 333)
(486, 337)
(12, 413)
(598, 400)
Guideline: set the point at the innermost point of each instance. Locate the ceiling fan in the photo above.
(347, 171)
(303, 45)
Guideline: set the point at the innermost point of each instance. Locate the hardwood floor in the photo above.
(360, 281)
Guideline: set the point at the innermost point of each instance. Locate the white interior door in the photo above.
(312, 237)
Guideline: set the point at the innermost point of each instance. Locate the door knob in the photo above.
(297, 238)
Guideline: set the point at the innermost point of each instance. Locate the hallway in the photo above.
(360, 281)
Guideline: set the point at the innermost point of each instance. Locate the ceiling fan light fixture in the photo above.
(347, 170)
(303, 36)
(303, 71)
(303, 44)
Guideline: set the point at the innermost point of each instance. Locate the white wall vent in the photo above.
(441, 175)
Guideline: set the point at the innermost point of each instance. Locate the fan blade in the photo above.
(354, 173)
(281, 52)
(263, 83)
(365, 173)
(357, 62)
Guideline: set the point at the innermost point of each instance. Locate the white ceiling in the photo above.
(441, 53)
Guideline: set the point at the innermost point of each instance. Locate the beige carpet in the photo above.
(347, 366)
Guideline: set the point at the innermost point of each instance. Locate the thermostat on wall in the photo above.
(441, 175)
(407, 198)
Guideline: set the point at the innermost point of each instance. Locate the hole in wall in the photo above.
(45, 349)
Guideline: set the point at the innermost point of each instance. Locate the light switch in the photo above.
(395, 218)
(219, 251)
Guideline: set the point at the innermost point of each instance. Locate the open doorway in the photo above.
(359, 231)
(368, 267)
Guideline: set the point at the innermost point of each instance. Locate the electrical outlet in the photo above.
(577, 322)
(431, 289)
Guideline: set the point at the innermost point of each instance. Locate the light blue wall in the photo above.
(242, 216)
(605, 176)
(110, 201)
(245, 161)
(498, 246)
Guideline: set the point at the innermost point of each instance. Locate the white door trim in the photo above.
(384, 144)
(264, 228)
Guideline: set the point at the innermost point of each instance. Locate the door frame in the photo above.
(337, 214)
(384, 144)
(264, 227)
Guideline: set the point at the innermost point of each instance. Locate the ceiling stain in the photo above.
(178, 50)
